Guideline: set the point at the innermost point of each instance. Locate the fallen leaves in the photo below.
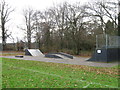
(108, 71)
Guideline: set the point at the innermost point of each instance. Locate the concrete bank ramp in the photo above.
(66, 55)
(33, 52)
(59, 55)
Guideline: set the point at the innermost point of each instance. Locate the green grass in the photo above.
(35, 74)
(11, 54)
(0, 73)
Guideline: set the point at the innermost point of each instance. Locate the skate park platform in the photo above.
(65, 60)
(37, 52)
(106, 55)
(33, 52)
(107, 49)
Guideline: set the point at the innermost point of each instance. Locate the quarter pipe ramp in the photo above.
(33, 52)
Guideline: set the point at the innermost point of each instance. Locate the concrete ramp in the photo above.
(62, 56)
(33, 52)
(51, 55)
(66, 55)
(59, 55)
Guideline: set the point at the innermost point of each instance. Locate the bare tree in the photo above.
(28, 14)
(119, 19)
(59, 13)
(103, 10)
(75, 16)
(37, 30)
(110, 9)
(47, 25)
(5, 11)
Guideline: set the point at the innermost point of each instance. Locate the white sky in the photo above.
(19, 5)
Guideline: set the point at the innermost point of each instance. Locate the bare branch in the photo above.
(5, 13)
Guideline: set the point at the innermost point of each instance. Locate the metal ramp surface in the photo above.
(33, 52)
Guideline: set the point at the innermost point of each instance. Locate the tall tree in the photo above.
(60, 12)
(75, 16)
(46, 27)
(28, 14)
(5, 11)
(104, 10)
(119, 19)
(37, 34)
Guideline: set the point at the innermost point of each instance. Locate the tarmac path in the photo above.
(75, 61)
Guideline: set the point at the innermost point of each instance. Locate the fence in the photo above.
(107, 41)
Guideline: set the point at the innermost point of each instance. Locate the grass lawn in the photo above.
(11, 53)
(35, 74)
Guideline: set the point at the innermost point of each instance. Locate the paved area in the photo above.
(76, 61)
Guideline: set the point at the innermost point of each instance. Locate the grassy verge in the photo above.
(11, 53)
(35, 74)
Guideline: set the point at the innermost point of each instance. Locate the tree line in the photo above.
(68, 26)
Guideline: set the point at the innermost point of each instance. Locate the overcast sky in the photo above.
(19, 5)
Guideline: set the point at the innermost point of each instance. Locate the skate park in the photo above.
(60, 44)
(106, 54)
(107, 49)
(36, 55)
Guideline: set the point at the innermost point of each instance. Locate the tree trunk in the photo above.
(3, 37)
(78, 48)
(119, 24)
(29, 44)
(29, 41)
